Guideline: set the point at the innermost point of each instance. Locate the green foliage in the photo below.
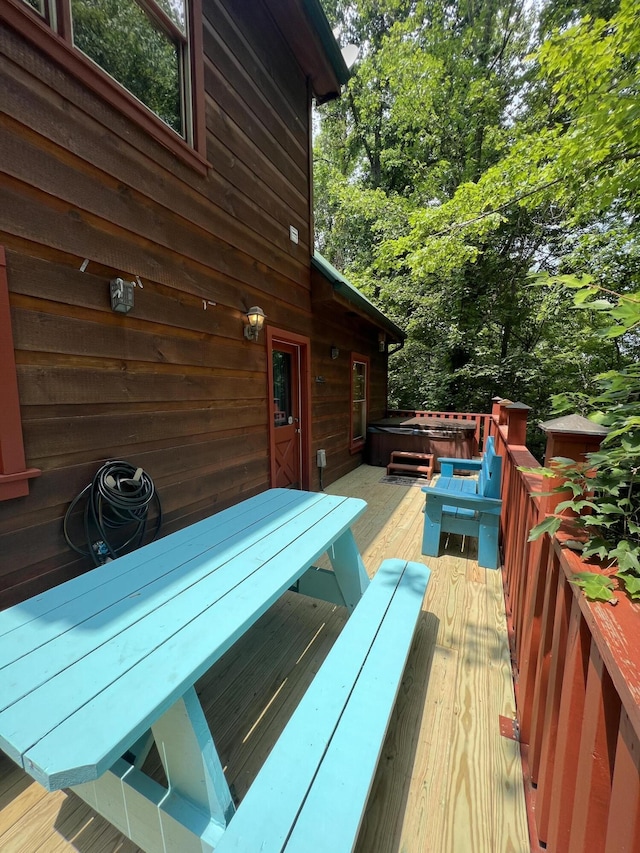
(454, 166)
(483, 190)
(606, 489)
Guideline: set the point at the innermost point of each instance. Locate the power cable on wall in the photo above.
(119, 496)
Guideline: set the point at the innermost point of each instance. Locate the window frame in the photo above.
(14, 475)
(58, 46)
(356, 443)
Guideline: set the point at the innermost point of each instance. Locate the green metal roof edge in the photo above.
(331, 47)
(353, 295)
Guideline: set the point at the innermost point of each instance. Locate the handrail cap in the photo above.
(573, 424)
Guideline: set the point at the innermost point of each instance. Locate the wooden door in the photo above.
(289, 416)
(286, 424)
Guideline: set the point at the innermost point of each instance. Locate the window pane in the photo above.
(175, 10)
(359, 398)
(359, 380)
(359, 420)
(121, 39)
(38, 5)
(281, 387)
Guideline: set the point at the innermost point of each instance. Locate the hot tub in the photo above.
(439, 436)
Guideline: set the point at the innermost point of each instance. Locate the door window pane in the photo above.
(281, 388)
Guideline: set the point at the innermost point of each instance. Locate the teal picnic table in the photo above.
(93, 671)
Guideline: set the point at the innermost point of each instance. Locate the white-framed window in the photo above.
(359, 399)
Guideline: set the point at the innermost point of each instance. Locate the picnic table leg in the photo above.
(349, 569)
(190, 759)
(192, 814)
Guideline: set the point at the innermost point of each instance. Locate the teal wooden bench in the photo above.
(466, 505)
(95, 671)
(311, 793)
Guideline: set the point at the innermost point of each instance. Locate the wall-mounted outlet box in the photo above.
(322, 459)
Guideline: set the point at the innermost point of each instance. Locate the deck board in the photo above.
(447, 782)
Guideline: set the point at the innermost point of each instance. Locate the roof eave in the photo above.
(308, 33)
(357, 299)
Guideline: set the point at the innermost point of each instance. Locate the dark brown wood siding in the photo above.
(87, 195)
(335, 323)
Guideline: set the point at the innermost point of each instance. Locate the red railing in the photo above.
(577, 671)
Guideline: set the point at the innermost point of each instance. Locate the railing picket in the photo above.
(600, 725)
(623, 830)
(532, 721)
(567, 747)
(547, 764)
(531, 636)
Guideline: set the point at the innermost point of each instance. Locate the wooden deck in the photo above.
(448, 782)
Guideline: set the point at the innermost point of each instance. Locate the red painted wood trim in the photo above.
(20, 17)
(623, 830)
(305, 400)
(567, 748)
(615, 630)
(595, 765)
(197, 74)
(545, 660)
(554, 697)
(14, 475)
(532, 633)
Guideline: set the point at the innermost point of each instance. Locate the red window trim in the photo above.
(356, 444)
(21, 17)
(14, 475)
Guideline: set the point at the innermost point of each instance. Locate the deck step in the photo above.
(414, 469)
(411, 454)
(411, 462)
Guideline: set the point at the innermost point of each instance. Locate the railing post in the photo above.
(572, 437)
(517, 414)
(502, 411)
(495, 406)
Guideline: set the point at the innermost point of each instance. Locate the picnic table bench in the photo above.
(97, 669)
(466, 505)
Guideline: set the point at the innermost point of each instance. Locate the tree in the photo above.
(457, 165)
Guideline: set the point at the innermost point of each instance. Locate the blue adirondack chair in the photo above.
(466, 505)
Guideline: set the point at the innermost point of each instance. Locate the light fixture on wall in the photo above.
(335, 352)
(382, 342)
(256, 318)
(121, 295)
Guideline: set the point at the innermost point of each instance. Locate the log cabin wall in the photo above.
(172, 386)
(335, 323)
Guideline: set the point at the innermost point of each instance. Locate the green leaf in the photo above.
(631, 584)
(609, 509)
(550, 525)
(595, 587)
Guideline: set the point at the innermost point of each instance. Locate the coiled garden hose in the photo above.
(118, 496)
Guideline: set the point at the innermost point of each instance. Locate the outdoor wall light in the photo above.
(121, 295)
(382, 342)
(256, 318)
(335, 352)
